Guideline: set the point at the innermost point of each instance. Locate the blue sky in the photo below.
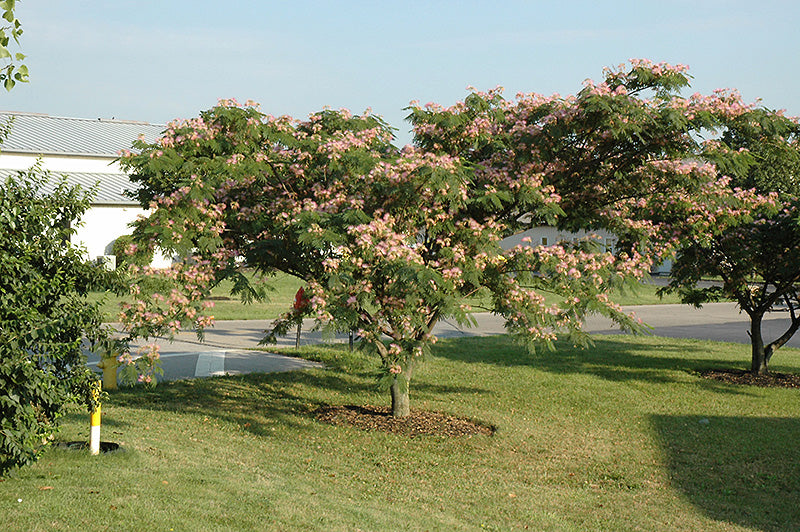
(164, 59)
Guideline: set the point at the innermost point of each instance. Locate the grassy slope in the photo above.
(621, 436)
(285, 287)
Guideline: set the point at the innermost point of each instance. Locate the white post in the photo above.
(94, 437)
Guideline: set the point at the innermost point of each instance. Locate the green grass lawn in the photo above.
(281, 299)
(620, 436)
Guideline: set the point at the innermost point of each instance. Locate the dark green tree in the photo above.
(44, 312)
(758, 259)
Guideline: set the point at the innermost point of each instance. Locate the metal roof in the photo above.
(52, 135)
(109, 188)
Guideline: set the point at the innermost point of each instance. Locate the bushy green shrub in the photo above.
(44, 312)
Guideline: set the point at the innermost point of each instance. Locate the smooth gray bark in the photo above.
(401, 405)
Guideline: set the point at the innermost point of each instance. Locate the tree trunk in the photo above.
(401, 406)
(758, 364)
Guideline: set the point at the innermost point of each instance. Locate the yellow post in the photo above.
(94, 437)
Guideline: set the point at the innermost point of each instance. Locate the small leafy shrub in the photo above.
(29, 407)
(44, 312)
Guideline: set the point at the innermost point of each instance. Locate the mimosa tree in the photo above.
(389, 241)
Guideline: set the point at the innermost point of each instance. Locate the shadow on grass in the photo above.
(82, 416)
(744, 471)
(418, 388)
(256, 401)
(260, 402)
(612, 358)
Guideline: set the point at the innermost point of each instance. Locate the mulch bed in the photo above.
(418, 423)
(740, 376)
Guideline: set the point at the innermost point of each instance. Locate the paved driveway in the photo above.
(225, 349)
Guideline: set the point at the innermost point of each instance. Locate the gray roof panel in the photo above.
(110, 188)
(51, 135)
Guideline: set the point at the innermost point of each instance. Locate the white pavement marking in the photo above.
(210, 363)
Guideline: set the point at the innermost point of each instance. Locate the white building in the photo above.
(85, 151)
(546, 235)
